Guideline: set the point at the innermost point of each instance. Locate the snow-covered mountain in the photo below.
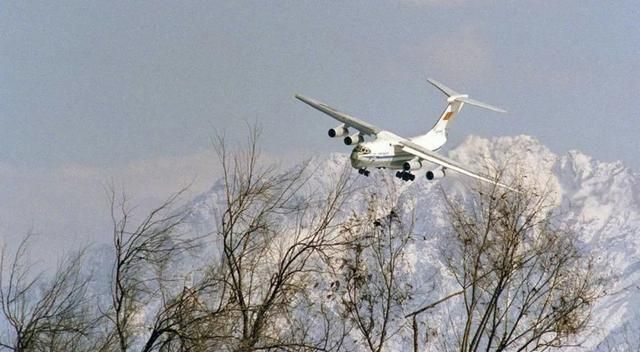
(598, 200)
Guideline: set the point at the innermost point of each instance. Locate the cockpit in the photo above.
(360, 149)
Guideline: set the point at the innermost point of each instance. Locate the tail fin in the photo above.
(455, 102)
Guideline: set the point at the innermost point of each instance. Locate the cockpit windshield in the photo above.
(361, 149)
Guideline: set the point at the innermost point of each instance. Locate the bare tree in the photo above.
(374, 286)
(272, 240)
(274, 233)
(526, 285)
(145, 285)
(44, 314)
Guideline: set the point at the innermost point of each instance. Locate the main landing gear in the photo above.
(405, 176)
(363, 172)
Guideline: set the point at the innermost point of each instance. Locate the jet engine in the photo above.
(435, 174)
(353, 139)
(338, 131)
(412, 164)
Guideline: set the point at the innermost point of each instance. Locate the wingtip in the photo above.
(307, 101)
(302, 98)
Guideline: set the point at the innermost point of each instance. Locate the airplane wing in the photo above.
(349, 121)
(447, 163)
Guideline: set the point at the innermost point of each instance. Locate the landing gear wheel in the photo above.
(405, 176)
(363, 172)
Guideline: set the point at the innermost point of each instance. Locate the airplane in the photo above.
(390, 151)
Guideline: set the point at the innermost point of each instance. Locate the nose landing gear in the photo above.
(363, 172)
(405, 176)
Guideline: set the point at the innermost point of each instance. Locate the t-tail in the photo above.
(455, 102)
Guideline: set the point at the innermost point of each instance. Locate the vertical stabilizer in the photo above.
(447, 116)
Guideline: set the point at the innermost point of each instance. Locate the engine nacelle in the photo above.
(353, 139)
(435, 174)
(338, 131)
(413, 164)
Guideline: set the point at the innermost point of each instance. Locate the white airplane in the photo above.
(390, 151)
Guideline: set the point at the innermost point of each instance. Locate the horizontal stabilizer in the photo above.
(479, 104)
(444, 89)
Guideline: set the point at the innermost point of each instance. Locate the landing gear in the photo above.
(363, 172)
(405, 176)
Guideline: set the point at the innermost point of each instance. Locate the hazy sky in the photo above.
(132, 92)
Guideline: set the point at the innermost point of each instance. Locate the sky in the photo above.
(131, 93)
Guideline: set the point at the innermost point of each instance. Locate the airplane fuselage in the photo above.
(382, 159)
(384, 153)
